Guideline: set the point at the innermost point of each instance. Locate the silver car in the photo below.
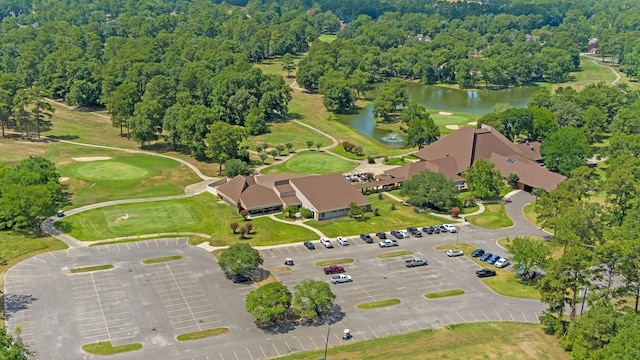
(454, 252)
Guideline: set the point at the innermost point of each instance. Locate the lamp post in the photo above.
(326, 343)
(457, 234)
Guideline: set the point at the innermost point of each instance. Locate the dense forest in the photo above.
(169, 69)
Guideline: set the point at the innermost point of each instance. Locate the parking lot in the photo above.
(59, 312)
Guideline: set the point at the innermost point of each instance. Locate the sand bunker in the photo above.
(92, 158)
(445, 113)
(124, 217)
(453, 127)
(64, 178)
(472, 123)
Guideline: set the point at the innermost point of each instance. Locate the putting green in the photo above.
(166, 217)
(312, 162)
(109, 170)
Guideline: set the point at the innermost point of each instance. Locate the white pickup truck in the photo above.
(342, 278)
(415, 262)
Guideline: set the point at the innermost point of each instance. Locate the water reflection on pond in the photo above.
(442, 99)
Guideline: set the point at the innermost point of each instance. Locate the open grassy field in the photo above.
(589, 73)
(274, 67)
(312, 162)
(458, 118)
(389, 219)
(327, 37)
(197, 214)
(504, 340)
(288, 132)
(493, 217)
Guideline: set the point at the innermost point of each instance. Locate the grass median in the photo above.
(493, 217)
(394, 254)
(163, 259)
(90, 268)
(334, 262)
(446, 293)
(378, 304)
(106, 348)
(202, 334)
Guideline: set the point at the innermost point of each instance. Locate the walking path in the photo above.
(597, 61)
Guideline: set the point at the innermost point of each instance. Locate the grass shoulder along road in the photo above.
(200, 214)
(505, 340)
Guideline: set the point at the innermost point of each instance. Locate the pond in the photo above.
(442, 99)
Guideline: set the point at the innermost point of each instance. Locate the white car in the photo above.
(405, 233)
(502, 262)
(343, 241)
(326, 242)
(342, 278)
(388, 243)
(454, 252)
(450, 228)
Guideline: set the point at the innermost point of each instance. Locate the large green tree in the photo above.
(12, 348)
(529, 253)
(483, 181)
(269, 304)
(421, 130)
(391, 95)
(240, 258)
(431, 189)
(565, 150)
(224, 142)
(312, 298)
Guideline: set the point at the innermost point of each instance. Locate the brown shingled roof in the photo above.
(234, 187)
(257, 196)
(531, 150)
(329, 192)
(530, 173)
(444, 166)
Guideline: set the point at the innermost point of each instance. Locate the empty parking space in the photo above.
(186, 305)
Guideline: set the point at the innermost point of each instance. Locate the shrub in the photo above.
(347, 146)
(244, 213)
(376, 212)
(393, 206)
(306, 213)
(234, 226)
(249, 227)
(379, 196)
(455, 211)
(371, 160)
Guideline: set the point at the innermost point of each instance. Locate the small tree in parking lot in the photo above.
(240, 258)
(269, 304)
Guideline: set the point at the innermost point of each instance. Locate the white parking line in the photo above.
(496, 311)
(392, 324)
(383, 329)
(236, 355)
(263, 353)
(274, 346)
(299, 342)
(100, 305)
(485, 315)
(250, 353)
(183, 297)
(524, 316)
(510, 314)
(474, 318)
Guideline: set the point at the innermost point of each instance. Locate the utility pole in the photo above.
(326, 343)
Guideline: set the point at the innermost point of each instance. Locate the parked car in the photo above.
(381, 235)
(450, 228)
(366, 238)
(440, 228)
(309, 245)
(405, 233)
(492, 260)
(397, 234)
(240, 279)
(485, 257)
(342, 278)
(503, 262)
(342, 240)
(477, 253)
(415, 262)
(388, 243)
(413, 230)
(327, 243)
(427, 230)
(333, 269)
(436, 230)
(454, 252)
(485, 273)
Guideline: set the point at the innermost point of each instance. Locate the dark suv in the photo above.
(381, 235)
(240, 279)
(427, 230)
(397, 234)
(366, 238)
(414, 231)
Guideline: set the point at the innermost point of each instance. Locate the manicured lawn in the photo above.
(529, 212)
(394, 254)
(327, 37)
(288, 132)
(505, 282)
(332, 262)
(494, 217)
(203, 334)
(589, 73)
(312, 162)
(400, 218)
(464, 341)
(458, 118)
(446, 293)
(378, 304)
(197, 214)
(91, 268)
(106, 348)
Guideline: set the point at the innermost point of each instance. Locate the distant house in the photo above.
(327, 196)
(592, 46)
(451, 155)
